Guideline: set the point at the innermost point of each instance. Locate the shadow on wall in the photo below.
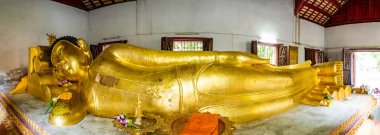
(334, 54)
(249, 46)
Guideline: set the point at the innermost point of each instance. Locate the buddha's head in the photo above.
(70, 58)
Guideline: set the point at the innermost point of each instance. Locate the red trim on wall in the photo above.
(365, 49)
(353, 22)
(167, 42)
(188, 38)
(270, 44)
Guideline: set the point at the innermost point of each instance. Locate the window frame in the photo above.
(314, 55)
(167, 42)
(277, 46)
(353, 63)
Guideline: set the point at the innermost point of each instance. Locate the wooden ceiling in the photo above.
(318, 11)
(330, 13)
(356, 11)
(88, 5)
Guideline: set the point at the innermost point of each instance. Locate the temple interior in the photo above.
(189, 67)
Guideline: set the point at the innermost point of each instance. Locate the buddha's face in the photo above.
(70, 62)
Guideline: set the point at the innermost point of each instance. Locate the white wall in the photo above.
(232, 23)
(361, 35)
(353, 35)
(311, 36)
(334, 54)
(25, 23)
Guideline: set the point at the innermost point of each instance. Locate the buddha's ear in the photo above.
(56, 53)
(86, 48)
(83, 45)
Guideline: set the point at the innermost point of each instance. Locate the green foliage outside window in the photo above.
(187, 46)
(267, 52)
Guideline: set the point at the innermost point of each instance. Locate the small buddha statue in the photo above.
(327, 97)
(138, 113)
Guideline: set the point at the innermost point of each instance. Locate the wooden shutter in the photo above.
(347, 64)
(166, 44)
(208, 44)
(254, 47)
(320, 56)
(310, 55)
(282, 55)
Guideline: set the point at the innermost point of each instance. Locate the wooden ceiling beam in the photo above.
(81, 5)
(84, 3)
(74, 3)
(312, 21)
(306, 11)
(317, 9)
(93, 4)
(101, 2)
(319, 5)
(335, 3)
(299, 7)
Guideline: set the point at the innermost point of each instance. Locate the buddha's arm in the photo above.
(305, 64)
(147, 57)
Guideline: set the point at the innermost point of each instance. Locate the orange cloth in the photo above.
(201, 124)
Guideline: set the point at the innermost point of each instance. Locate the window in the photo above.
(186, 44)
(314, 55)
(270, 51)
(267, 52)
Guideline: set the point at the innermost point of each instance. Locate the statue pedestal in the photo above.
(303, 119)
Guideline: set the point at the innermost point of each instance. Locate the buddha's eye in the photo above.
(62, 64)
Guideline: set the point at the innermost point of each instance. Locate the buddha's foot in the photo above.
(66, 113)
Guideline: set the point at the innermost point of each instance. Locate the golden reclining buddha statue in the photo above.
(237, 85)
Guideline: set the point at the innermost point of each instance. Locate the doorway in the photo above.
(366, 70)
